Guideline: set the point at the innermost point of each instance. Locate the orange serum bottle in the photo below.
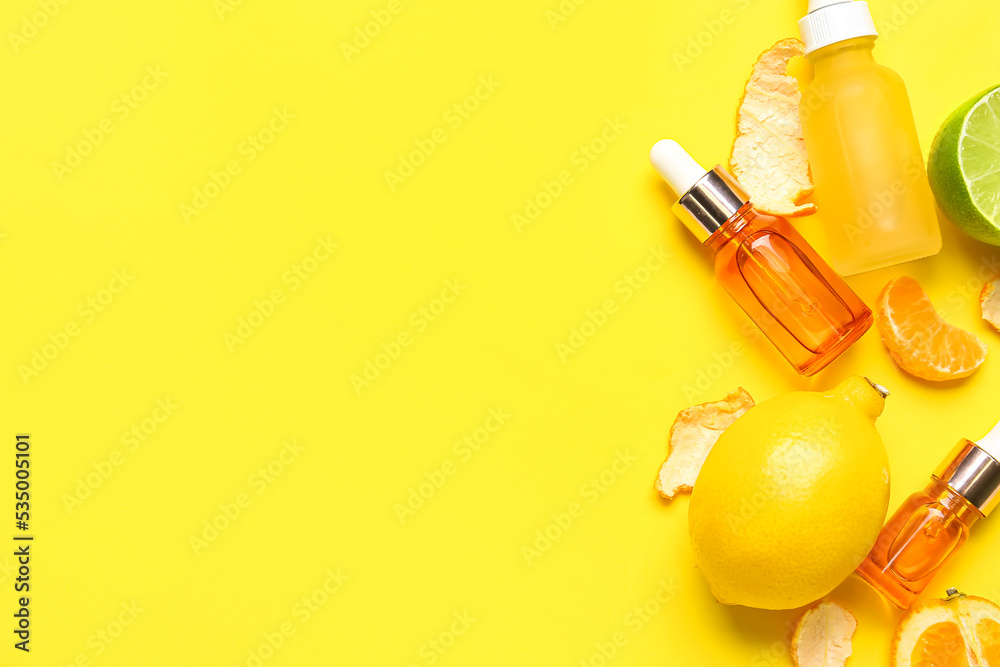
(930, 526)
(803, 307)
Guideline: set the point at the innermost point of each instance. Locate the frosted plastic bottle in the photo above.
(867, 166)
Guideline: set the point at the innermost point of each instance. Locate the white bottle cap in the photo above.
(676, 167)
(832, 21)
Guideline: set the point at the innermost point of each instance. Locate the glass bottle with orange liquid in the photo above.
(804, 308)
(930, 526)
(871, 185)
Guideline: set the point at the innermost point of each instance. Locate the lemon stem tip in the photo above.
(883, 392)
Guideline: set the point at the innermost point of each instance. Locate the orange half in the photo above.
(919, 340)
(962, 631)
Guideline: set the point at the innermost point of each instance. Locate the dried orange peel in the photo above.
(769, 155)
(919, 339)
(960, 630)
(692, 436)
(989, 299)
(823, 636)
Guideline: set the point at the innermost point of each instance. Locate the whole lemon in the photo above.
(792, 497)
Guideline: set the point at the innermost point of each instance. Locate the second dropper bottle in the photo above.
(803, 307)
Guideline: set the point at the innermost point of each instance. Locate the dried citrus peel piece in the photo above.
(769, 155)
(944, 632)
(823, 636)
(989, 299)
(692, 436)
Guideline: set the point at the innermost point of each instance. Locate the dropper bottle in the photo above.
(927, 530)
(803, 307)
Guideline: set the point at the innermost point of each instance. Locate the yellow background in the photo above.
(335, 504)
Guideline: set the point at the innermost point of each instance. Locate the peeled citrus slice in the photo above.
(918, 339)
(694, 432)
(769, 155)
(823, 636)
(961, 631)
(989, 299)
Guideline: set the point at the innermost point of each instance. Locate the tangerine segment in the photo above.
(988, 632)
(940, 645)
(919, 340)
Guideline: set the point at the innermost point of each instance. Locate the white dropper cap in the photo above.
(676, 167)
(706, 199)
(990, 442)
(832, 21)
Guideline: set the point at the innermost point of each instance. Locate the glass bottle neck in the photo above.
(843, 56)
(961, 507)
(734, 228)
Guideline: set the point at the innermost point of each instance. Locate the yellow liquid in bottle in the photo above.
(871, 185)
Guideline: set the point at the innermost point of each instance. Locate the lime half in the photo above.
(964, 167)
